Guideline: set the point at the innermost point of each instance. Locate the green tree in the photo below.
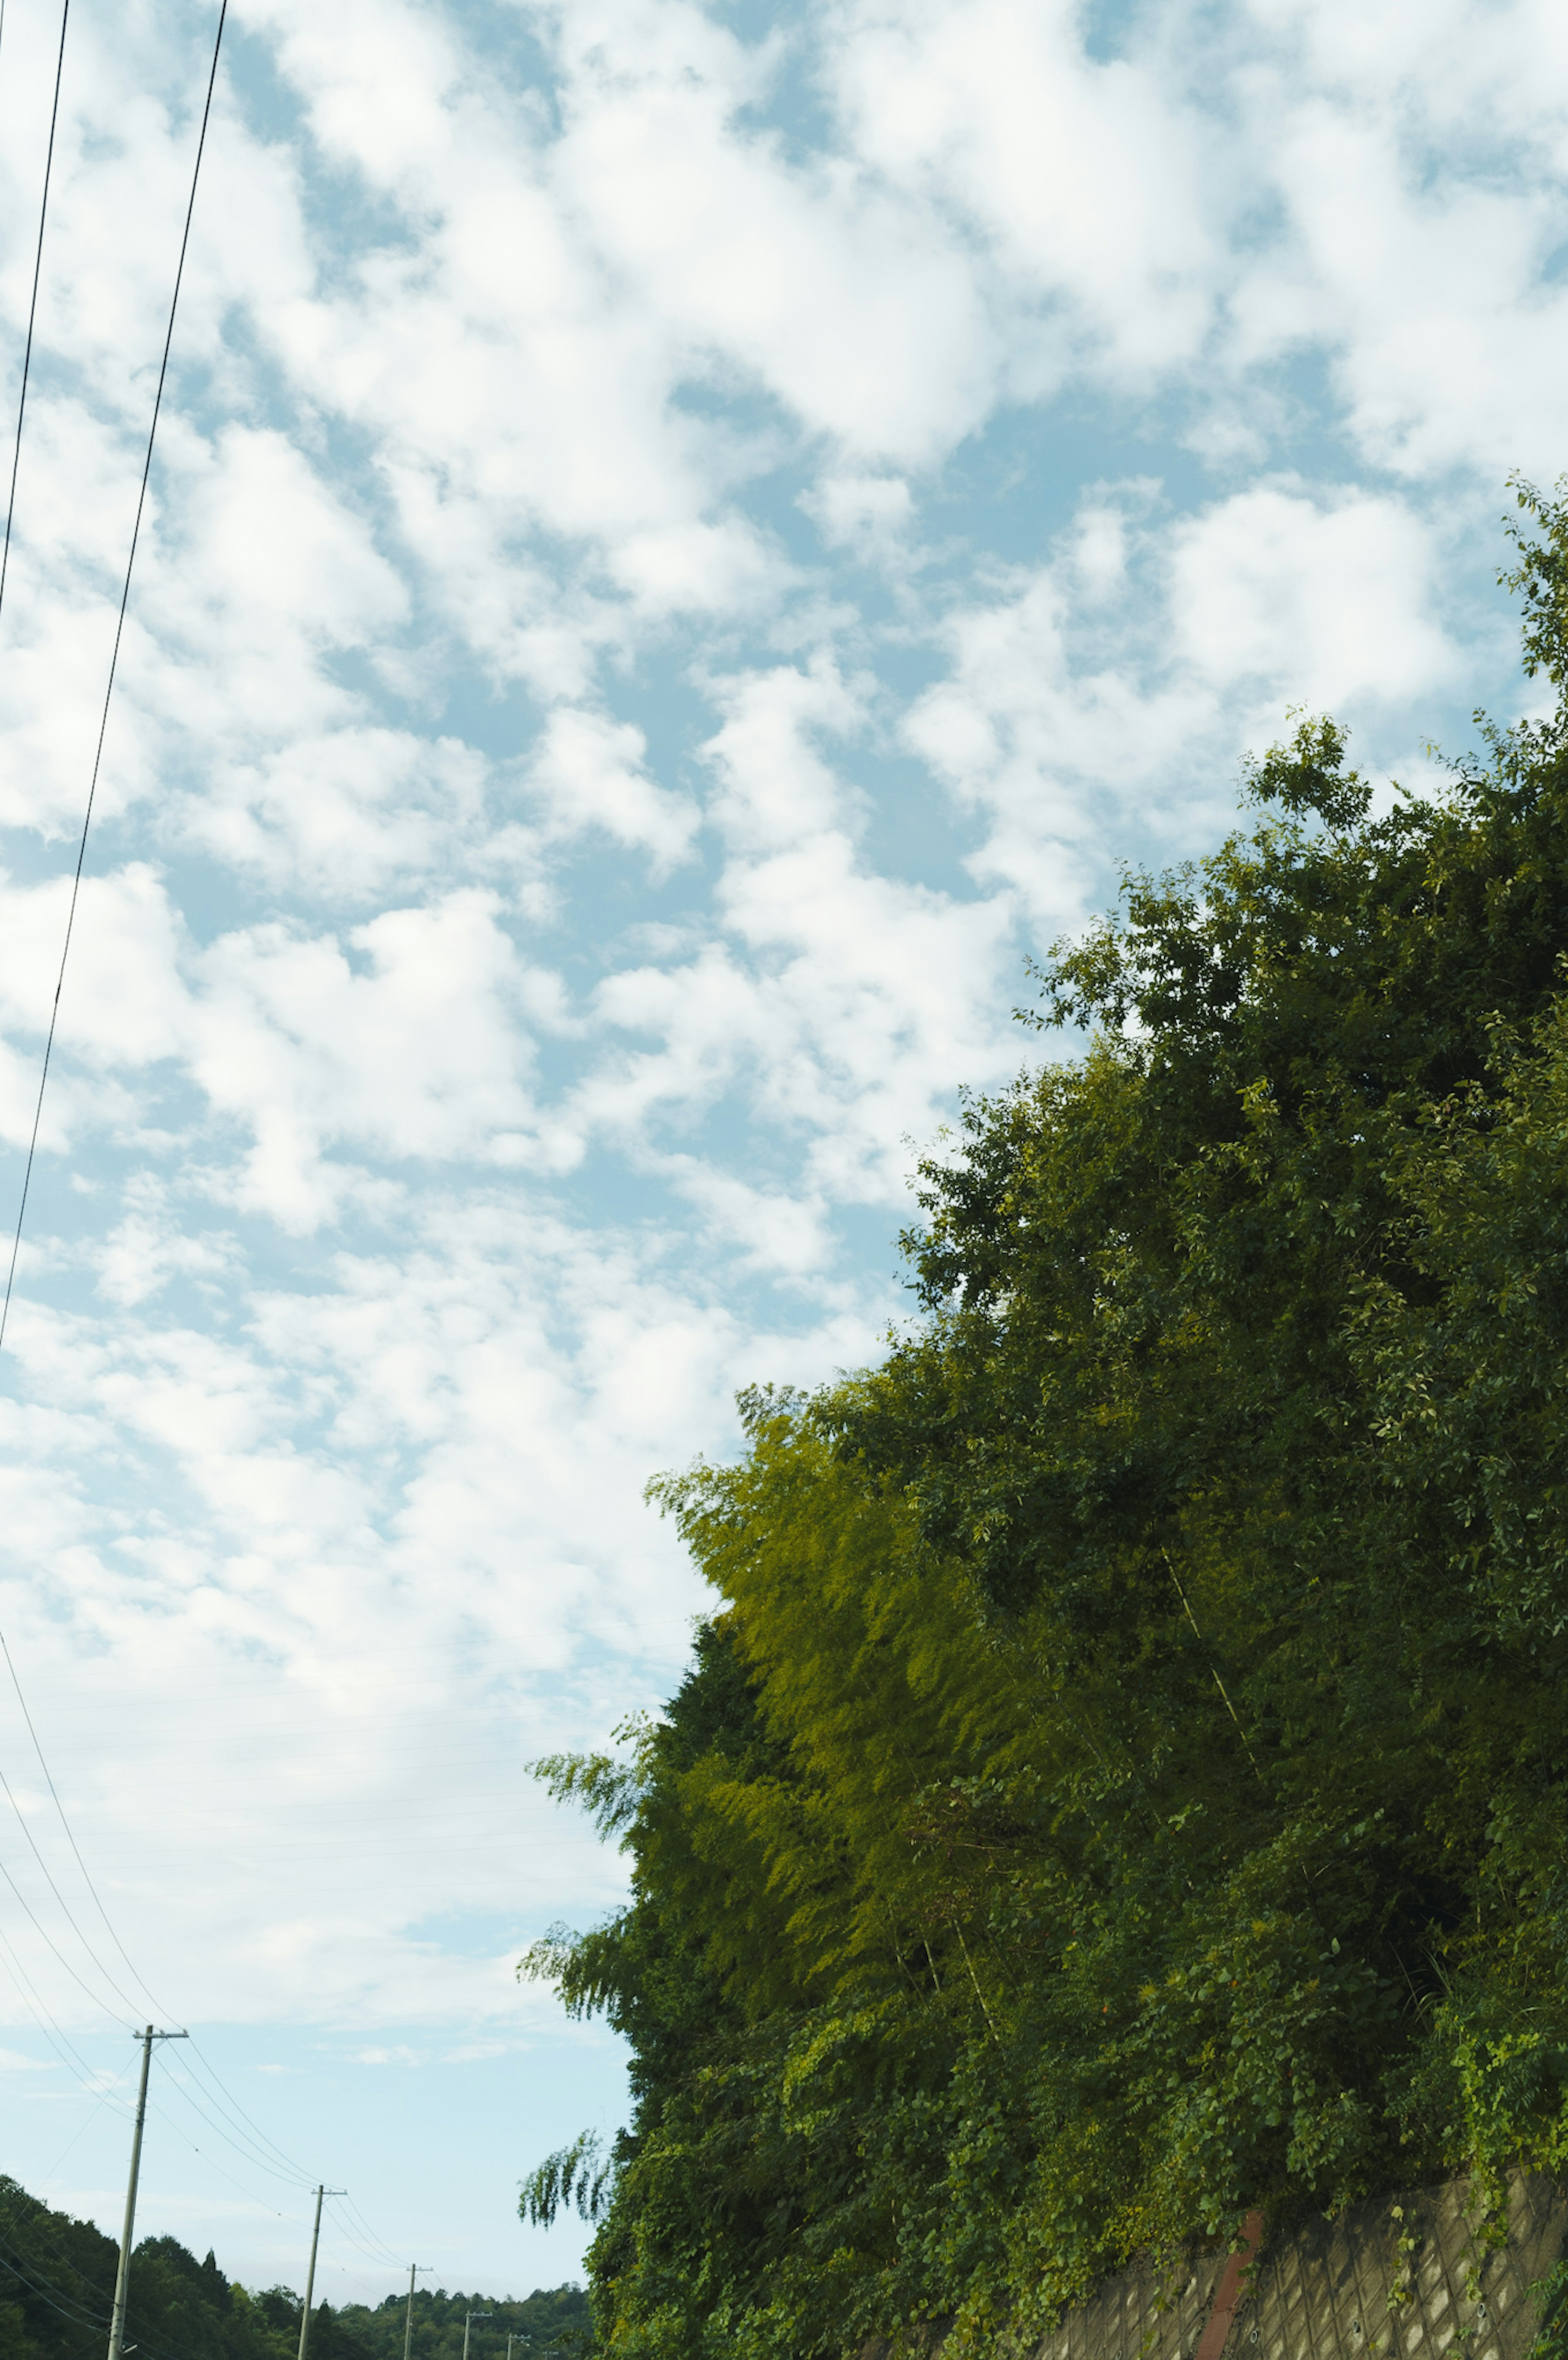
(551, 2323)
(1125, 1779)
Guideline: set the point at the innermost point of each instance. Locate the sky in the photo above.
(685, 544)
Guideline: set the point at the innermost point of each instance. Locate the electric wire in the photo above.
(85, 2316)
(33, 305)
(54, 1946)
(246, 2154)
(371, 2232)
(360, 2248)
(110, 2089)
(76, 2314)
(240, 2115)
(219, 2096)
(113, 659)
(59, 2039)
(249, 2153)
(346, 2229)
(213, 2085)
(213, 2165)
(81, 2315)
(65, 1823)
(295, 2169)
(70, 1919)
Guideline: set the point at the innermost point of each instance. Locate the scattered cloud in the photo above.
(674, 562)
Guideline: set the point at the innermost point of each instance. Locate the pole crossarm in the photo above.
(416, 2269)
(122, 2277)
(321, 2194)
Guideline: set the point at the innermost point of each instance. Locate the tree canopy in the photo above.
(1124, 1778)
(57, 2288)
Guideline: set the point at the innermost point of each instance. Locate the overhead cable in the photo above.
(48, 1874)
(113, 663)
(203, 2072)
(33, 305)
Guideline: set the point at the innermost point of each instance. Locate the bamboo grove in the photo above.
(1124, 1776)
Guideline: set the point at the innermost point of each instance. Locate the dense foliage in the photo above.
(549, 2324)
(1124, 1777)
(57, 2289)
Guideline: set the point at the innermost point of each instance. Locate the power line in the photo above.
(43, 1930)
(70, 2056)
(216, 2091)
(109, 2089)
(253, 2152)
(249, 2155)
(221, 2091)
(70, 1921)
(217, 2096)
(386, 2259)
(213, 2165)
(236, 2114)
(115, 656)
(33, 306)
(374, 2236)
(209, 2080)
(65, 1823)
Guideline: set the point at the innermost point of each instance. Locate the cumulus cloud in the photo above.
(674, 559)
(590, 773)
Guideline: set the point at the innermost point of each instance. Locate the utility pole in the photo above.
(123, 2281)
(310, 2275)
(468, 2323)
(414, 2270)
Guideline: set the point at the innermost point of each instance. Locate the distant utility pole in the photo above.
(123, 2282)
(468, 2323)
(414, 2270)
(311, 2274)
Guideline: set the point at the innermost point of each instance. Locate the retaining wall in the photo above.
(1401, 2277)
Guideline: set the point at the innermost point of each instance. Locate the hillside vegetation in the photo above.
(1123, 1778)
(57, 2289)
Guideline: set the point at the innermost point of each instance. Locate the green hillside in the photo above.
(57, 2288)
(551, 2325)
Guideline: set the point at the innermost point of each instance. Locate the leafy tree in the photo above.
(1125, 1778)
(551, 2323)
(57, 2288)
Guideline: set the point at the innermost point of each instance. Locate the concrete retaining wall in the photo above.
(1401, 2277)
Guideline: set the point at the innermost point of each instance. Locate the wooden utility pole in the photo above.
(311, 2274)
(414, 2270)
(123, 2281)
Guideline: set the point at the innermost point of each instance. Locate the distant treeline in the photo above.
(57, 2289)
(551, 2322)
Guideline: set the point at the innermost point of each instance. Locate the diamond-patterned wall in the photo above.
(1401, 2277)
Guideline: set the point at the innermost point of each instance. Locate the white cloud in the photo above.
(1061, 716)
(1326, 599)
(590, 773)
(1085, 180)
(422, 1050)
(625, 653)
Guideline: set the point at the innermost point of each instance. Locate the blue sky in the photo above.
(686, 543)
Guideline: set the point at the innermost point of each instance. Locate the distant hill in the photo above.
(57, 2288)
(549, 2322)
